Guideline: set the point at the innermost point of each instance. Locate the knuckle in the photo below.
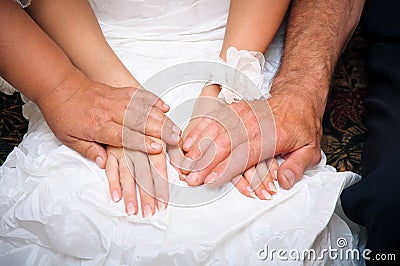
(125, 174)
(159, 166)
(146, 198)
(117, 136)
(158, 115)
(138, 121)
(86, 151)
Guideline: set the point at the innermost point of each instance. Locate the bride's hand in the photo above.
(258, 180)
(205, 103)
(127, 169)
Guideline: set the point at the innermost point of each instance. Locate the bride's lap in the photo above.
(53, 197)
(68, 210)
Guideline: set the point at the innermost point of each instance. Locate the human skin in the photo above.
(74, 27)
(83, 114)
(251, 26)
(317, 32)
(67, 31)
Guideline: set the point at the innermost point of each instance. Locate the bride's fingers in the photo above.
(112, 172)
(255, 181)
(175, 157)
(158, 166)
(128, 185)
(264, 173)
(242, 185)
(144, 180)
(273, 168)
(192, 136)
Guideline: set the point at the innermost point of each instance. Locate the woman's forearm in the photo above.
(74, 27)
(253, 24)
(29, 59)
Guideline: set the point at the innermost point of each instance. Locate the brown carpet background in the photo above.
(344, 120)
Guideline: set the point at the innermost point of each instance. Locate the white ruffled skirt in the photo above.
(55, 207)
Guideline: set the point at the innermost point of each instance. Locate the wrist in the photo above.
(68, 86)
(210, 91)
(302, 91)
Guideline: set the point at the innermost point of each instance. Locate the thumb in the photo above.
(291, 170)
(91, 150)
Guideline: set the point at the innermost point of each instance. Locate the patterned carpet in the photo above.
(345, 115)
(344, 121)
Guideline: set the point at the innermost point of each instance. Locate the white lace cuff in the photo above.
(244, 78)
(24, 3)
(5, 87)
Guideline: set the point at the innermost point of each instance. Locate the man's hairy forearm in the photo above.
(317, 32)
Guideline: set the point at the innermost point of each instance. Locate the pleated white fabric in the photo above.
(55, 206)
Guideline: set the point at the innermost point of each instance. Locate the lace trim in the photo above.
(24, 3)
(241, 76)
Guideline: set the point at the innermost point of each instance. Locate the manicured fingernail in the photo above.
(272, 187)
(115, 196)
(161, 204)
(188, 143)
(192, 177)
(147, 211)
(165, 106)
(251, 191)
(175, 137)
(276, 175)
(99, 162)
(211, 178)
(176, 129)
(186, 165)
(266, 195)
(130, 208)
(289, 176)
(156, 145)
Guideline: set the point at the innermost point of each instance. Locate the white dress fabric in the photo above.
(55, 207)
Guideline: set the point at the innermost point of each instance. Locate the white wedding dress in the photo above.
(55, 207)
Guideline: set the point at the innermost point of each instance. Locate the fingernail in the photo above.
(186, 165)
(211, 178)
(276, 175)
(130, 208)
(289, 176)
(176, 129)
(115, 196)
(272, 187)
(155, 145)
(99, 162)
(166, 106)
(266, 195)
(161, 204)
(192, 177)
(147, 211)
(251, 191)
(175, 137)
(188, 143)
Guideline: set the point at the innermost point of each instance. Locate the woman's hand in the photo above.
(205, 103)
(127, 169)
(82, 114)
(258, 180)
